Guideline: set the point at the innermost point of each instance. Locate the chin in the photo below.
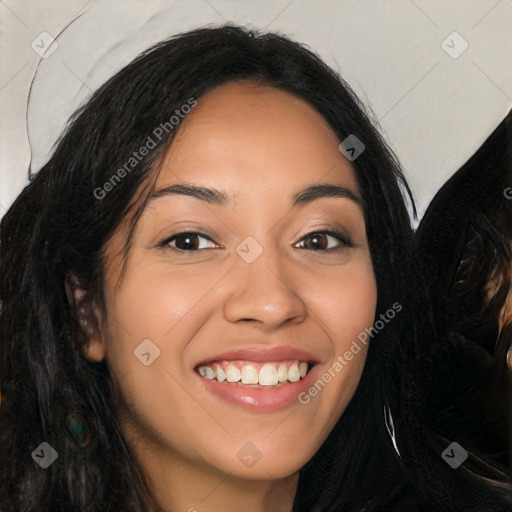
(263, 462)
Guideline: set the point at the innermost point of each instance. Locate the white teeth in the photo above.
(233, 374)
(221, 374)
(268, 376)
(206, 372)
(293, 373)
(282, 374)
(249, 374)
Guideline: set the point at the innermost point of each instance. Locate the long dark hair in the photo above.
(52, 241)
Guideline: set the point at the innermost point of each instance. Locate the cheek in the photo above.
(354, 309)
(150, 317)
(154, 300)
(355, 314)
(345, 301)
(346, 306)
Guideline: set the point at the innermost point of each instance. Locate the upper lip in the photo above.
(263, 355)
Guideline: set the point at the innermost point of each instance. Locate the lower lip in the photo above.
(260, 399)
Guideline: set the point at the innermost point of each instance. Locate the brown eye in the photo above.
(317, 241)
(187, 241)
(320, 241)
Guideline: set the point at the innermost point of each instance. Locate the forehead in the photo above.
(247, 135)
(263, 149)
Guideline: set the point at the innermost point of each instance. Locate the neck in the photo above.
(180, 485)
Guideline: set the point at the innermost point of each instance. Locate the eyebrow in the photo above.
(300, 198)
(321, 190)
(209, 195)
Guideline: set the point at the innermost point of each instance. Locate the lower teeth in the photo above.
(240, 383)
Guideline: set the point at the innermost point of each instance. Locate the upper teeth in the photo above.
(268, 374)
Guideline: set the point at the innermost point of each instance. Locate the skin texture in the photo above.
(259, 145)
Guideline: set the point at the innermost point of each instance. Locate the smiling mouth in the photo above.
(254, 374)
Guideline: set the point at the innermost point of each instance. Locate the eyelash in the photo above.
(346, 241)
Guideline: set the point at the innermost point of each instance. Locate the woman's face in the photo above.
(266, 280)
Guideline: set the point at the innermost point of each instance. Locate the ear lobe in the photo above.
(88, 320)
(94, 349)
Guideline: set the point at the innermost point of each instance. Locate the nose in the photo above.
(264, 292)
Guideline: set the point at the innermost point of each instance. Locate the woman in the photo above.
(209, 302)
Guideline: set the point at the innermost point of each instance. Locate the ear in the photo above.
(88, 320)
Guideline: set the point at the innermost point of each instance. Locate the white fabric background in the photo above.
(435, 110)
